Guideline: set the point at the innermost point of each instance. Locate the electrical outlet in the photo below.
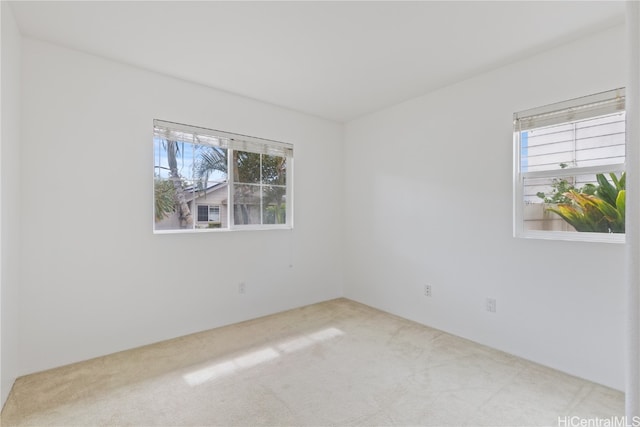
(491, 305)
(242, 288)
(427, 290)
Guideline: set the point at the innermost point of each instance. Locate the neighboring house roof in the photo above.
(194, 192)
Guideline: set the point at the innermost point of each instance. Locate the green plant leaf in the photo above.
(576, 218)
(592, 208)
(621, 206)
(615, 180)
(606, 191)
(589, 189)
(621, 202)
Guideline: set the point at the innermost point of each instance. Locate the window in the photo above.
(206, 179)
(208, 213)
(569, 169)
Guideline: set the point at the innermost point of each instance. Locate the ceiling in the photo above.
(336, 60)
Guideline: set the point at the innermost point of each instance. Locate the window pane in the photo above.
(274, 205)
(591, 142)
(246, 204)
(178, 166)
(203, 213)
(247, 167)
(214, 213)
(212, 205)
(210, 164)
(164, 196)
(274, 170)
(587, 203)
(161, 165)
(174, 204)
(173, 158)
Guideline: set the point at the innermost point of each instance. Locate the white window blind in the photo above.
(588, 131)
(599, 104)
(180, 132)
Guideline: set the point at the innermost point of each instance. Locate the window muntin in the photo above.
(207, 179)
(563, 151)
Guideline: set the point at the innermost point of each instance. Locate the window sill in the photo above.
(573, 236)
(225, 230)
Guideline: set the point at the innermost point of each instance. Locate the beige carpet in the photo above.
(335, 363)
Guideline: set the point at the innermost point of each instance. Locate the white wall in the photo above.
(429, 200)
(426, 195)
(95, 278)
(9, 201)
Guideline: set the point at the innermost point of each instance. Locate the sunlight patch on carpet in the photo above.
(258, 357)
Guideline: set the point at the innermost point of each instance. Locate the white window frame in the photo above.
(599, 104)
(238, 142)
(209, 207)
